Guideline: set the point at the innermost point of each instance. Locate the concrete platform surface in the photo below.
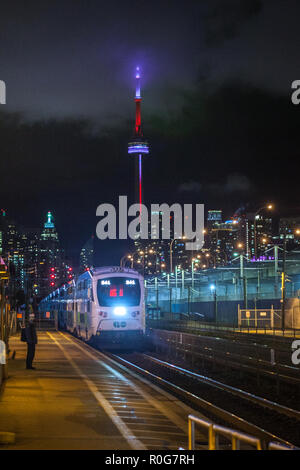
(77, 398)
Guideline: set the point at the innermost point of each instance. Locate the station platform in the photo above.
(78, 398)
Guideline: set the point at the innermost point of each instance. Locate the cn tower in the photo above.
(138, 146)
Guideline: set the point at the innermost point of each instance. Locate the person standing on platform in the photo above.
(31, 340)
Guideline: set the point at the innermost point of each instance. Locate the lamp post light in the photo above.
(194, 260)
(142, 253)
(207, 256)
(130, 257)
(283, 281)
(152, 253)
(256, 216)
(213, 288)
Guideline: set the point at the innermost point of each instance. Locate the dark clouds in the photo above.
(190, 186)
(233, 183)
(76, 58)
(237, 182)
(217, 110)
(224, 19)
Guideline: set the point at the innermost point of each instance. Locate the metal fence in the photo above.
(236, 438)
(194, 326)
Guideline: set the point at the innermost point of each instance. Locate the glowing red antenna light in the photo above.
(139, 145)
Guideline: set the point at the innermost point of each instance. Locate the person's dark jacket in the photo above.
(30, 333)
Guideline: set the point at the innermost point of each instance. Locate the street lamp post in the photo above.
(171, 255)
(283, 282)
(213, 288)
(122, 260)
(194, 260)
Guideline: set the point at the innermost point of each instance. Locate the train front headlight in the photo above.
(120, 311)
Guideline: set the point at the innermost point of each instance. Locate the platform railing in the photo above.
(214, 431)
(192, 420)
(278, 446)
(236, 438)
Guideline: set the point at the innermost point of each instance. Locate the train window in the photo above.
(118, 291)
(88, 306)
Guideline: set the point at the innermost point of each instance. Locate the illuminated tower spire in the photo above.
(138, 146)
(49, 223)
(138, 100)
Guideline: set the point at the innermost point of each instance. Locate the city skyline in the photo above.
(218, 227)
(223, 130)
(149, 228)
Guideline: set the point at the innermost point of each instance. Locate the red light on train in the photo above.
(113, 293)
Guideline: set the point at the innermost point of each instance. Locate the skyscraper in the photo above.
(86, 259)
(50, 262)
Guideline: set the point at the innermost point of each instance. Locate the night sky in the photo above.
(216, 108)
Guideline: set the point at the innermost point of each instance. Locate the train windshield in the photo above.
(114, 291)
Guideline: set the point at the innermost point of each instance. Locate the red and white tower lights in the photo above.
(138, 146)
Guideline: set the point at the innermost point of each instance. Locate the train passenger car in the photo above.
(103, 305)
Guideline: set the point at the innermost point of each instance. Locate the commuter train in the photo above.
(104, 306)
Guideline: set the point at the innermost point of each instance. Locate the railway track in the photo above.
(233, 356)
(283, 410)
(229, 405)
